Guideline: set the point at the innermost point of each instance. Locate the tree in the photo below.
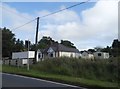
(98, 48)
(8, 42)
(45, 42)
(32, 47)
(116, 48)
(116, 44)
(27, 43)
(67, 43)
(19, 46)
(91, 50)
(107, 49)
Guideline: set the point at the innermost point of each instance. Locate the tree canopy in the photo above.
(91, 50)
(67, 43)
(19, 45)
(9, 43)
(116, 48)
(45, 42)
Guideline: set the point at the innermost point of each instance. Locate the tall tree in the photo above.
(44, 42)
(98, 48)
(32, 47)
(91, 50)
(19, 46)
(116, 43)
(67, 43)
(108, 50)
(8, 42)
(116, 48)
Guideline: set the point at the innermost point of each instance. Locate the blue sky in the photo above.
(87, 25)
(32, 7)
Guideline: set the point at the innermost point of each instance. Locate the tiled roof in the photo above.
(60, 47)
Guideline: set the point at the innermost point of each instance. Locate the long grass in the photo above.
(90, 73)
(105, 70)
(91, 84)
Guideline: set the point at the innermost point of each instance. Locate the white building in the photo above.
(59, 50)
(25, 55)
(87, 55)
(101, 55)
(55, 50)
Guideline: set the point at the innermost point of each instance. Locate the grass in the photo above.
(105, 70)
(60, 78)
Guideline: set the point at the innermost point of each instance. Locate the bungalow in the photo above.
(59, 50)
(55, 50)
(101, 55)
(87, 55)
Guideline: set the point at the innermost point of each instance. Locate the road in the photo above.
(11, 80)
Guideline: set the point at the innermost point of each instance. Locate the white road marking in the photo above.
(45, 80)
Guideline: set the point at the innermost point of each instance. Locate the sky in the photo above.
(87, 25)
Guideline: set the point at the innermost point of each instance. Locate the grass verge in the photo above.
(92, 84)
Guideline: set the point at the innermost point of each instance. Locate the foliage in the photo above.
(91, 50)
(67, 43)
(98, 48)
(45, 42)
(116, 48)
(90, 83)
(107, 49)
(105, 70)
(8, 42)
(113, 50)
(19, 46)
(32, 47)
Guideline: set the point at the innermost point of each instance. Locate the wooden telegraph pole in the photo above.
(36, 39)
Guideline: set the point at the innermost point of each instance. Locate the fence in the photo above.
(17, 62)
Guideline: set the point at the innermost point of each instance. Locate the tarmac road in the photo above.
(12, 80)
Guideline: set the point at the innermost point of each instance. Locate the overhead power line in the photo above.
(13, 12)
(24, 24)
(44, 15)
(64, 9)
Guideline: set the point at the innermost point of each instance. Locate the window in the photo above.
(99, 54)
(51, 55)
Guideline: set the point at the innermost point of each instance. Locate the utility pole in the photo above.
(28, 57)
(36, 39)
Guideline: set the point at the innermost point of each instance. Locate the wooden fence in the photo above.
(17, 62)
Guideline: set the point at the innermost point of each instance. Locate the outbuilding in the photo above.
(87, 55)
(101, 55)
(25, 55)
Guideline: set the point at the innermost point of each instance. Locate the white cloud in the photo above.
(11, 18)
(98, 27)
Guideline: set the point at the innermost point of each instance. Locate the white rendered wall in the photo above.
(103, 55)
(24, 55)
(69, 54)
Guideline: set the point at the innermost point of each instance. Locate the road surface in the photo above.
(11, 80)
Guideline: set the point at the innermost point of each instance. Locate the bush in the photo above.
(98, 69)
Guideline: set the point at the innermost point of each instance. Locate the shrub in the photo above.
(98, 69)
